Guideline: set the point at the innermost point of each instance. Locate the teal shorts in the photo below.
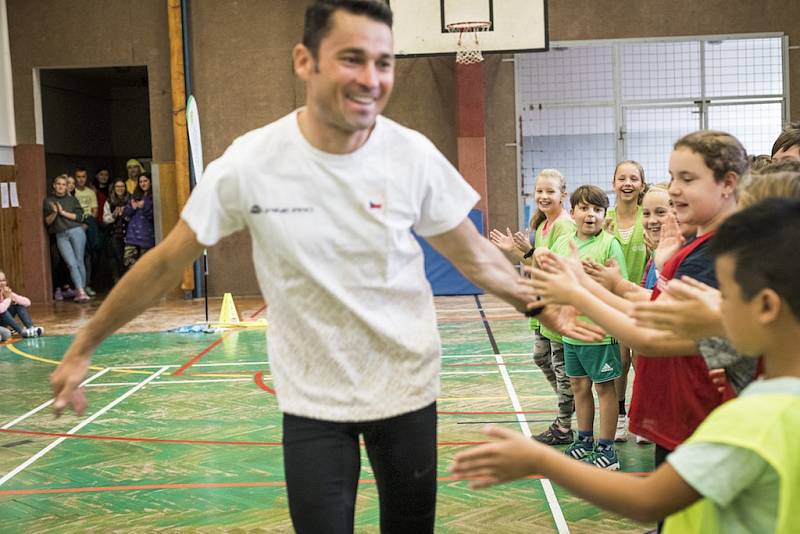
(600, 363)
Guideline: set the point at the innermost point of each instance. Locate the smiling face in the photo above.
(349, 82)
(588, 219)
(70, 184)
(699, 199)
(655, 210)
(628, 183)
(144, 183)
(119, 188)
(548, 195)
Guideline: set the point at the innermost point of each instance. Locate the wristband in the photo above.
(529, 253)
(534, 312)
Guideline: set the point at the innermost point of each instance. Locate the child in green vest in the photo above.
(624, 220)
(549, 222)
(592, 363)
(740, 469)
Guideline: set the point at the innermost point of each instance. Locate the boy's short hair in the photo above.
(779, 179)
(763, 242)
(789, 137)
(318, 18)
(591, 194)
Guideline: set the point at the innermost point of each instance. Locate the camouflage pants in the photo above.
(549, 357)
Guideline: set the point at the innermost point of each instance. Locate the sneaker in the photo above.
(621, 434)
(580, 450)
(38, 330)
(90, 291)
(28, 332)
(606, 458)
(641, 440)
(58, 295)
(555, 436)
(69, 293)
(82, 297)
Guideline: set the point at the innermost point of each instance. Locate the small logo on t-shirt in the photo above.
(375, 205)
(255, 209)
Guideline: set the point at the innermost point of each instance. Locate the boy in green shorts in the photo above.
(593, 363)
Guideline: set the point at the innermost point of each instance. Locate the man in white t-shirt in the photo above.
(330, 194)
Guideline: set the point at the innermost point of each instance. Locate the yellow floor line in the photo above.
(15, 350)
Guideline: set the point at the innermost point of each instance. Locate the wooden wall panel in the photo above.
(11, 238)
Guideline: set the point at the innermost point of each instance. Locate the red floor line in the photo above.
(199, 355)
(255, 313)
(187, 441)
(259, 380)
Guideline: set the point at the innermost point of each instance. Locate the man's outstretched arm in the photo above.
(482, 262)
(155, 273)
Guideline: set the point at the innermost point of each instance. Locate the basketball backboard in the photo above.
(420, 26)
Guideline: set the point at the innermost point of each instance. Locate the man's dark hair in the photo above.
(77, 170)
(591, 194)
(318, 17)
(763, 242)
(789, 137)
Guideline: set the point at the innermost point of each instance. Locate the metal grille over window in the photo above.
(584, 106)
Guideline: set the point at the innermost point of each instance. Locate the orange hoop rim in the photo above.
(469, 26)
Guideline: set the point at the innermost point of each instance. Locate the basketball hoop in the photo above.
(469, 48)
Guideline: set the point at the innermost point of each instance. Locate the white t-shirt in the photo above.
(352, 327)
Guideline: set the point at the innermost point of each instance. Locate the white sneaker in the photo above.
(28, 332)
(621, 434)
(39, 331)
(640, 440)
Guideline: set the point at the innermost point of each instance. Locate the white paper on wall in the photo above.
(12, 189)
(4, 195)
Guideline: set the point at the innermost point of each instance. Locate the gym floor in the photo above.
(183, 430)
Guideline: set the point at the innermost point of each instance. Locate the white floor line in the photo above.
(456, 356)
(48, 403)
(451, 373)
(552, 501)
(80, 425)
(171, 382)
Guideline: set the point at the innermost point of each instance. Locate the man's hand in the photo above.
(65, 382)
(564, 320)
(510, 457)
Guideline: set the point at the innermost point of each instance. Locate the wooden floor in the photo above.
(183, 430)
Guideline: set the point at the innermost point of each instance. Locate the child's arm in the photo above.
(514, 456)
(5, 303)
(19, 299)
(559, 285)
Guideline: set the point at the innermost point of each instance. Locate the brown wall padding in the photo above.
(243, 76)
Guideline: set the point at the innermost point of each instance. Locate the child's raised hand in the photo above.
(522, 240)
(693, 310)
(670, 242)
(609, 225)
(554, 281)
(504, 242)
(509, 457)
(608, 275)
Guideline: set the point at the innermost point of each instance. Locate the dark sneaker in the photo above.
(580, 450)
(606, 458)
(555, 436)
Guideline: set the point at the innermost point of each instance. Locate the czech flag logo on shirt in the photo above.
(375, 205)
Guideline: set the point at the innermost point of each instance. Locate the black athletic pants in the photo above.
(322, 461)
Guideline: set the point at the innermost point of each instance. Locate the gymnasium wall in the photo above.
(243, 76)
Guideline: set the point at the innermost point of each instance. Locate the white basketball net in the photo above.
(469, 48)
